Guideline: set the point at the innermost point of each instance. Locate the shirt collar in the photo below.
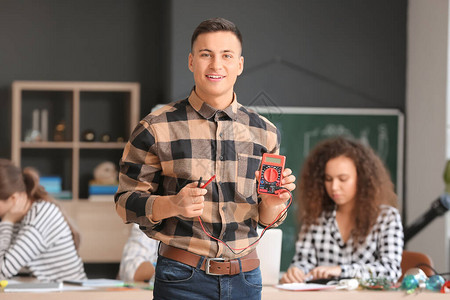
(330, 216)
(207, 111)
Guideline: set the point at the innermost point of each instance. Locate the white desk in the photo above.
(269, 293)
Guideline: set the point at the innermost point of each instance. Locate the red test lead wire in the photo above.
(208, 182)
(262, 233)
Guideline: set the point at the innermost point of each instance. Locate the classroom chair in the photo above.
(411, 259)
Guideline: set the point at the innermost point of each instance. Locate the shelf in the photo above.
(46, 145)
(95, 145)
(86, 124)
(69, 145)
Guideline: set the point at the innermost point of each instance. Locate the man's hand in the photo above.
(187, 203)
(287, 182)
(272, 205)
(19, 209)
(293, 274)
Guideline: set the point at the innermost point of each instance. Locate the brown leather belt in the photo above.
(212, 266)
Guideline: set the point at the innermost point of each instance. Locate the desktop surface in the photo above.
(268, 293)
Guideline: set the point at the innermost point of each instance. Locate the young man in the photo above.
(207, 233)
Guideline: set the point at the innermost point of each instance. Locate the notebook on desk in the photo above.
(269, 253)
(32, 287)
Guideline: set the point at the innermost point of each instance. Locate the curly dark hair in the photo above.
(374, 186)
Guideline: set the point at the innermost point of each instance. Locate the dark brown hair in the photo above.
(374, 186)
(13, 179)
(214, 25)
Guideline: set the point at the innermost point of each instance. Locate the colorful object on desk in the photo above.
(123, 287)
(379, 284)
(409, 283)
(348, 284)
(3, 284)
(435, 283)
(445, 287)
(419, 274)
(414, 278)
(149, 287)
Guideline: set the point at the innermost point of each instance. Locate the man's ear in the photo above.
(241, 65)
(190, 62)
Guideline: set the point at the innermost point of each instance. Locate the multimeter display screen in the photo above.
(273, 160)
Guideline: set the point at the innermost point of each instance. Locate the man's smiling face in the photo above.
(216, 62)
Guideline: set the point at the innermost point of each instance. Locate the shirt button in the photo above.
(221, 157)
(221, 134)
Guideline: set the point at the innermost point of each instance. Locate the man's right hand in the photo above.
(187, 203)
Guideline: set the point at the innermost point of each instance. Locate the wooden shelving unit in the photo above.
(106, 106)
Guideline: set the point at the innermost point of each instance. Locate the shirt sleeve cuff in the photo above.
(345, 271)
(149, 209)
(6, 224)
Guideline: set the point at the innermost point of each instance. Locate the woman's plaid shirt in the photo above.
(180, 143)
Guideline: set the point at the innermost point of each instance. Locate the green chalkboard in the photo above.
(302, 128)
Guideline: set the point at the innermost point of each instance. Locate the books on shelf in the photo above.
(63, 195)
(52, 184)
(102, 192)
(102, 189)
(99, 192)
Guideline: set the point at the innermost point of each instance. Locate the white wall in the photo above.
(426, 120)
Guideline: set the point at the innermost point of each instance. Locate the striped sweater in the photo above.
(42, 243)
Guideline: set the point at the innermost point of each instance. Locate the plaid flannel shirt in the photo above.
(178, 144)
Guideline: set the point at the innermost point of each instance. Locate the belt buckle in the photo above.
(208, 264)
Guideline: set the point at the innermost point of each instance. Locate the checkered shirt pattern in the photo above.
(379, 256)
(181, 142)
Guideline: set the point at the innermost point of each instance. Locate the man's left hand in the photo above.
(287, 182)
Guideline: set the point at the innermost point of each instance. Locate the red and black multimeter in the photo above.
(271, 172)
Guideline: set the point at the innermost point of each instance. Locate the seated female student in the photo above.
(34, 234)
(350, 226)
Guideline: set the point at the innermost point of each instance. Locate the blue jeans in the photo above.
(175, 280)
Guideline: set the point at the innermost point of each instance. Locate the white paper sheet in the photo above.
(304, 287)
